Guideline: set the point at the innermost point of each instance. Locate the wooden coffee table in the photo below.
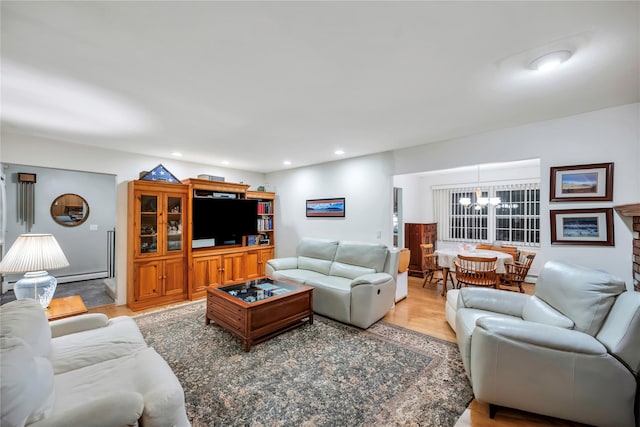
(239, 309)
(59, 308)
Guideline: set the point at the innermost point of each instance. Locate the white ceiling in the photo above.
(255, 83)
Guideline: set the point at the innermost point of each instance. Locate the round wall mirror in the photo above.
(69, 210)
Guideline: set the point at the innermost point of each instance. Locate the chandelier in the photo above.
(480, 202)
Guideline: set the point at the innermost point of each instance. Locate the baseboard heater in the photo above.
(8, 285)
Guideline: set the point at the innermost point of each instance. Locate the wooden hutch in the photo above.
(163, 266)
(414, 235)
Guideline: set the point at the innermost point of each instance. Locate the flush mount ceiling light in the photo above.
(338, 152)
(176, 154)
(550, 61)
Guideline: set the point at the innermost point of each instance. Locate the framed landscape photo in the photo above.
(587, 183)
(582, 227)
(325, 207)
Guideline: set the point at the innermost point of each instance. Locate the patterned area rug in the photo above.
(325, 374)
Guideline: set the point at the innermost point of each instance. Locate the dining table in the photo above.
(447, 258)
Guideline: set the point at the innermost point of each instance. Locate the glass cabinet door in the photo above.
(148, 224)
(174, 224)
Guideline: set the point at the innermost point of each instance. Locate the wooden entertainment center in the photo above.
(162, 265)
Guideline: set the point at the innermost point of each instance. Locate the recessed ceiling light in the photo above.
(286, 162)
(550, 61)
(225, 162)
(176, 154)
(339, 152)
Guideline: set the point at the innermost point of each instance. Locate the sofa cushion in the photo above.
(331, 282)
(465, 322)
(582, 294)
(317, 248)
(144, 372)
(26, 389)
(120, 337)
(349, 271)
(536, 310)
(318, 265)
(297, 275)
(25, 318)
(369, 255)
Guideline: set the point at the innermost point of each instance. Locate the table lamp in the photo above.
(33, 254)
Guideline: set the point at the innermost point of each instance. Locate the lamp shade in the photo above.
(33, 252)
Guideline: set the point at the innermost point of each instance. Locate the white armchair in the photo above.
(85, 370)
(570, 351)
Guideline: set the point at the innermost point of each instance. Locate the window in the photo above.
(467, 223)
(516, 220)
(518, 216)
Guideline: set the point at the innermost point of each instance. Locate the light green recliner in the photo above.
(570, 351)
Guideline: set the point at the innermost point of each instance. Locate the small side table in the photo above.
(59, 308)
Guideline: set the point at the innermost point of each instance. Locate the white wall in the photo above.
(421, 185)
(610, 135)
(84, 246)
(365, 183)
(414, 206)
(34, 151)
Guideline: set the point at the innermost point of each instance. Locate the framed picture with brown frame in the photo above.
(582, 183)
(325, 207)
(582, 227)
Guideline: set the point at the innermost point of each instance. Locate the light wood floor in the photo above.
(422, 311)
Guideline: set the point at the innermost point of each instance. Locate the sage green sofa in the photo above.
(354, 282)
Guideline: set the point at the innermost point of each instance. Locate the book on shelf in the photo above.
(265, 223)
(264, 208)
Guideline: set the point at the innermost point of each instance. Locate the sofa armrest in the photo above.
(497, 301)
(288, 263)
(371, 279)
(71, 325)
(540, 335)
(119, 409)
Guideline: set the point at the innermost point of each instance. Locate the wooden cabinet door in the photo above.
(147, 278)
(265, 255)
(173, 219)
(175, 279)
(206, 272)
(147, 222)
(252, 265)
(232, 268)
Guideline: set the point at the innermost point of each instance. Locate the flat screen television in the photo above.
(225, 220)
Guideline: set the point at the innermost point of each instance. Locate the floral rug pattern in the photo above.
(325, 374)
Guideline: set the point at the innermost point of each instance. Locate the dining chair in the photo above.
(476, 271)
(431, 265)
(516, 273)
(482, 246)
(511, 250)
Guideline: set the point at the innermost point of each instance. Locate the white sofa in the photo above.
(571, 350)
(354, 282)
(83, 370)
